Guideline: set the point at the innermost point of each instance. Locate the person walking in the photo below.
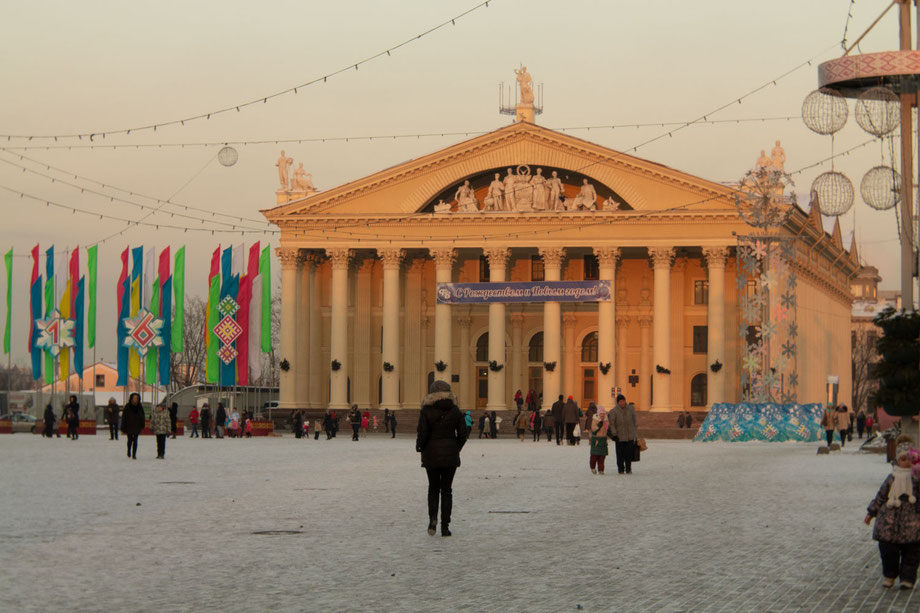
(50, 420)
(160, 426)
(870, 425)
(519, 400)
(589, 415)
(494, 420)
(897, 521)
(520, 424)
(597, 429)
(110, 415)
(570, 417)
(297, 423)
(133, 422)
(174, 418)
(72, 410)
(548, 425)
(830, 424)
(681, 420)
(441, 435)
(392, 424)
(220, 420)
(365, 422)
(531, 401)
(386, 420)
(843, 424)
(468, 420)
(248, 426)
(860, 423)
(536, 425)
(623, 431)
(558, 422)
(354, 418)
(193, 419)
(205, 417)
(688, 419)
(482, 424)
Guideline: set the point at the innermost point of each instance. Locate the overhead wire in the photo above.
(259, 100)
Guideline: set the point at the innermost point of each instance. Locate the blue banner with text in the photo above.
(528, 291)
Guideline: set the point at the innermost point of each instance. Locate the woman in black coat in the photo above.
(441, 436)
(73, 420)
(133, 422)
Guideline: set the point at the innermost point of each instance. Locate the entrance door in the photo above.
(535, 382)
(482, 386)
(588, 385)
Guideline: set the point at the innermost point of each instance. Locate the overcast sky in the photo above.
(93, 66)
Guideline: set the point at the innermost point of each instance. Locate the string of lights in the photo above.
(159, 201)
(737, 100)
(110, 198)
(846, 24)
(378, 137)
(260, 100)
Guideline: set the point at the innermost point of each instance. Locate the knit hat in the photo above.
(621, 397)
(439, 390)
(601, 410)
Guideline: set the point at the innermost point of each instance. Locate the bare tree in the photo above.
(187, 368)
(864, 356)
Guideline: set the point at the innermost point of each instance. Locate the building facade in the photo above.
(360, 264)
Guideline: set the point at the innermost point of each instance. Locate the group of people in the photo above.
(360, 422)
(70, 415)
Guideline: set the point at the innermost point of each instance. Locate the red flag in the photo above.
(215, 264)
(242, 316)
(74, 278)
(122, 278)
(32, 283)
(163, 274)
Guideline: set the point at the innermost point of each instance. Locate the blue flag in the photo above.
(164, 351)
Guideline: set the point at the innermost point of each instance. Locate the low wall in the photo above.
(6, 426)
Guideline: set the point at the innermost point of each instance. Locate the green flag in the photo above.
(213, 367)
(91, 254)
(8, 260)
(178, 324)
(151, 369)
(265, 271)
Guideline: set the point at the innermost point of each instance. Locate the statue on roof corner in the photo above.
(526, 84)
(303, 180)
(778, 157)
(283, 163)
(763, 161)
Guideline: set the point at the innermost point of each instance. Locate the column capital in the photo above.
(443, 256)
(498, 256)
(622, 320)
(391, 257)
(517, 319)
(340, 257)
(715, 256)
(465, 322)
(661, 256)
(607, 256)
(645, 320)
(568, 320)
(310, 256)
(289, 256)
(552, 256)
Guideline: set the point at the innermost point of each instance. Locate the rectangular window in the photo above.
(700, 339)
(483, 269)
(751, 288)
(100, 380)
(592, 270)
(536, 268)
(701, 292)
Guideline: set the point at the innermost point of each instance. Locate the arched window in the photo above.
(535, 352)
(482, 348)
(589, 348)
(698, 390)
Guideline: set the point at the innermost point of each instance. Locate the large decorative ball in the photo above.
(833, 192)
(228, 156)
(881, 188)
(878, 111)
(824, 111)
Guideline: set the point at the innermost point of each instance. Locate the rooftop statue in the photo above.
(526, 84)
(763, 161)
(442, 207)
(555, 193)
(586, 198)
(778, 157)
(283, 163)
(540, 190)
(611, 205)
(510, 191)
(494, 197)
(466, 199)
(303, 180)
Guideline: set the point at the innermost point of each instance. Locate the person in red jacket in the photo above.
(193, 419)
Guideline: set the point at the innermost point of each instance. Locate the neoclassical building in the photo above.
(361, 262)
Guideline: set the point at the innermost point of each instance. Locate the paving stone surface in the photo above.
(697, 527)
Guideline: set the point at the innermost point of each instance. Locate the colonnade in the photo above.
(301, 372)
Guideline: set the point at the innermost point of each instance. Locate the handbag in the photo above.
(635, 453)
(641, 444)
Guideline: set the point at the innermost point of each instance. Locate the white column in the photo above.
(317, 365)
(466, 375)
(645, 361)
(622, 366)
(570, 358)
(606, 326)
(290, 282)
(392, 258)
(302, 376)
(444, 263)
(661, 332)
(338, 389)
(361, 382)
(517, 353)
(715, 321)
(498, 261)
(552, 328)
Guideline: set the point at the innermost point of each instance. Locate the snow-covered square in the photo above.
(305, 525)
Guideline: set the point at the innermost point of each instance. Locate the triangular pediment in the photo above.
(412, 187)
(836, 235)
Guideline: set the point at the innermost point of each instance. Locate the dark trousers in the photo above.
(172, 426)
(830, 437)
(597, 461)
(161, 445)
(49, 430)
(559, 428)
(570, 433)
(440, 482)
(132, 445)
(843, 437)
(113, 432)
(900, 560)
(72, 430)
(549, 434)
(536, 434)
(194, 433)
(625, 452)
(393, 430)
(354, 431)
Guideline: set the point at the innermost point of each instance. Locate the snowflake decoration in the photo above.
(751, 312)
(143, 332)
(793, 330)
(788, 300)
(789, 349)
(769, 279)
(55, 333)
(793, 379)
(792, 280)
(750, 363)
(760, 249)
(780, 313)
(786, 248)
(767, 330)
(228, 307)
